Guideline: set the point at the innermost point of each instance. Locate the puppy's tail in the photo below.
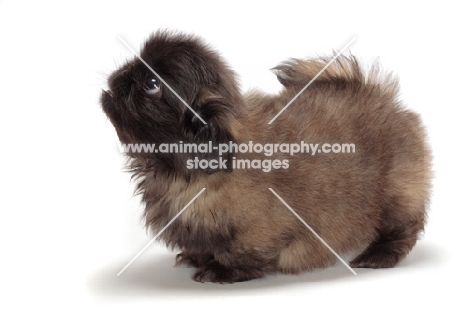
(343, 71)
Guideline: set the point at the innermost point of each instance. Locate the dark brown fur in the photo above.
(373, 200)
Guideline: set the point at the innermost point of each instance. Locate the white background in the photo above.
(69, 221)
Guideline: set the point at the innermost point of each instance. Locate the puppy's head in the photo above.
(146, 109)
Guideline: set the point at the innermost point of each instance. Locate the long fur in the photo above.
(372, 201)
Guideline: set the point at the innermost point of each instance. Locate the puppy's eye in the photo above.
(152, 85)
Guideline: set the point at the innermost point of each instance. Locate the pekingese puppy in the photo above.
(360, 180)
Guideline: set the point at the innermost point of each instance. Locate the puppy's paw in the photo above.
(380, 255)
(216, 273)
(193, 260)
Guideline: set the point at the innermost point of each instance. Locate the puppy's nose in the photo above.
(106, 92)
(106, 87)
(106, 99)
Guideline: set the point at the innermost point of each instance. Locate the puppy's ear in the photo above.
(216, 113)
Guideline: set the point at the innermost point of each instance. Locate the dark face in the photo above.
(144, 110)
(139, 107)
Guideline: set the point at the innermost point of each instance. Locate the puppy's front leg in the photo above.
(193, 259)
(218, 273)
(231, 267)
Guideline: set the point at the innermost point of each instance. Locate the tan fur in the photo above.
(373, 200)
(348, 216)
